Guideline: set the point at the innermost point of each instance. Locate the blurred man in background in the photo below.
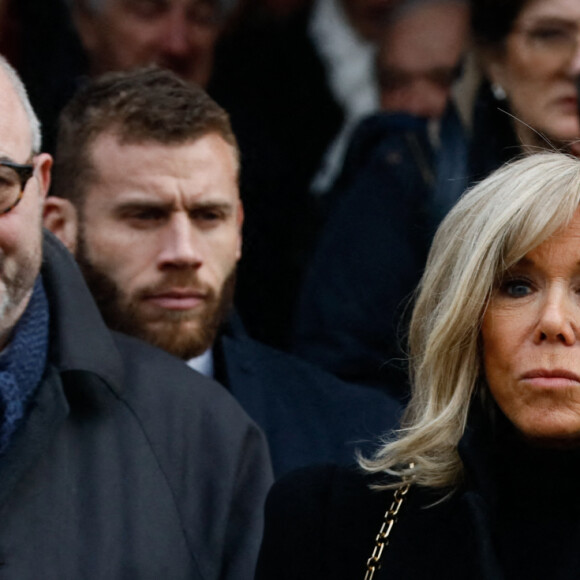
(176, 34)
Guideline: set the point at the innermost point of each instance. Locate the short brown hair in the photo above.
(147, 104)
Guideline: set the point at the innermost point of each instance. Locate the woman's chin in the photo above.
(552, 436)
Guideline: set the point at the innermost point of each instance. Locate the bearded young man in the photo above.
(116, 461)
(149, 166)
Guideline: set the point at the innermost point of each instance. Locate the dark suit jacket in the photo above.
(308, 415)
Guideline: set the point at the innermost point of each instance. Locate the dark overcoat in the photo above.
(129, 465)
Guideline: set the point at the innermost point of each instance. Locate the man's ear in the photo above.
(60, 217)
(43, 162)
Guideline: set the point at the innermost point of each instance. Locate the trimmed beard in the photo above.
(122, 313)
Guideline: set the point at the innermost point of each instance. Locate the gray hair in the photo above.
(22, 94)
(491, 228)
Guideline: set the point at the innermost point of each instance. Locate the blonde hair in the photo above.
(491, 228)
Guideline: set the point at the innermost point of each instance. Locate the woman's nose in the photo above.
(556, 321)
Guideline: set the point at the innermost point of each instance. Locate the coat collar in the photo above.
(79, 338)
(234, 357)
(79, 344)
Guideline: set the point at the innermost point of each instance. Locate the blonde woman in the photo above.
(485, 472)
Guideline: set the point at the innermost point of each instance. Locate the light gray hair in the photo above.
(22, 94)
(490, 229)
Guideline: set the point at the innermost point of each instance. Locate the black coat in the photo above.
(129, 464)
(274, 85)
(369, 256)
(308, 416)
(516, 516)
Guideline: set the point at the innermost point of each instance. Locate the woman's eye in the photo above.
(550, 35)
(516, 288)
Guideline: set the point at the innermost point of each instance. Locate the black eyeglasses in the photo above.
(13, 180)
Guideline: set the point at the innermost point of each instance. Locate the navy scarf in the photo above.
(22, 363)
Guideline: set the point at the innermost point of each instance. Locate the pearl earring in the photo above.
(498, 92)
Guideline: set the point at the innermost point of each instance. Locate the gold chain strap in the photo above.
(382, 539)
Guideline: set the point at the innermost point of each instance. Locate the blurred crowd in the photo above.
(360, 123)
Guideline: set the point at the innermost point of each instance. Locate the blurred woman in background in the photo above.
(530, 54)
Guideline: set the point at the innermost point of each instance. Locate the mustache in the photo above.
(181, 280)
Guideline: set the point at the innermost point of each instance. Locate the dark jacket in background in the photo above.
(129, 465)
(370, 255)
(394, 190)
(307, 415)
(50, 60)
(273, 84)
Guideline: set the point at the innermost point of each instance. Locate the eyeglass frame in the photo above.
(24, 171)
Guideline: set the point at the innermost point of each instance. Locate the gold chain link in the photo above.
(382, 539)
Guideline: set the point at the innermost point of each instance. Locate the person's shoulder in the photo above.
(322, 521)
(324, 487)
(147, 365)
(163, 391)
(264, 358)
(292, 370)
(300, 379)
(328, 487)
(297, 386)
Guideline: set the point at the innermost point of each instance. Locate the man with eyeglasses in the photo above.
(116, 460)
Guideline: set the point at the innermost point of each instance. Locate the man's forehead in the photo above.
(113, 139)
(149, 170)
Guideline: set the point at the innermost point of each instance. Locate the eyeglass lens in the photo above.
(13, 179)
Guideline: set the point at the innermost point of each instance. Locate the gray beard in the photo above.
(16, 292)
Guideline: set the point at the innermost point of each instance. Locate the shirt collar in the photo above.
(203, 363)
(347, 57)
